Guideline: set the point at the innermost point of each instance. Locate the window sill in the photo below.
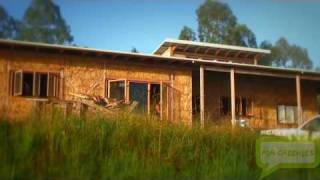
(37, 99)
(30, 98)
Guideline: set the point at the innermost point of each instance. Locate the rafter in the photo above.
(197, 50)
(227, 54)
(186, 48)
(237, 54)
(217, 52)
(206, 52)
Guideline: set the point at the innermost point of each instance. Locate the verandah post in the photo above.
(298, 93)
(202, 96)
(233, 98)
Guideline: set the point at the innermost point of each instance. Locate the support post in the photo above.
(299, 104)
(171, 97)
(233, 98)
(255, 60)
(202, 96)
(161, 100)
(149, 98)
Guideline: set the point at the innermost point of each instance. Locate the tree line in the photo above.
(218, 24)
(43, 22)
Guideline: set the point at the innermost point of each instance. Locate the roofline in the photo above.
(66, 47)
(177, 59)
(213, 45)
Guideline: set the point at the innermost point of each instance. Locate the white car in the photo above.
(309, 129)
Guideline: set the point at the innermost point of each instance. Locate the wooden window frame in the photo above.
(239, 106)
(36, 83)
(285, 111)
(33, 82)
(20, 91)
(125, 88)
(148, 91)
(55, 88)
(149, 83)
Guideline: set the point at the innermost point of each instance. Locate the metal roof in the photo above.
(174, 61)
(184, 45)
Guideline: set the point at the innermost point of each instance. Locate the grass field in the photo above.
(134, 147)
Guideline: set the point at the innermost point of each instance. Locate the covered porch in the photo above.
(261, 97)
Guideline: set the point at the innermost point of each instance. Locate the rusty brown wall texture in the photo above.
(86, 74)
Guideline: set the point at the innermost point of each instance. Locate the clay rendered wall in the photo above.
(27, 61)
(86, 74)
(3, 81)
(266, 93)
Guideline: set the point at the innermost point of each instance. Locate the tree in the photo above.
(187, 34)
(218, 24)
(267, 59)
(284, 54)
(300, 58)
(241, 35)
(9, 27)
(134, 50)
(215, 21)
(42, 22)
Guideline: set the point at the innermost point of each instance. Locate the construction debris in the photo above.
(104, 104)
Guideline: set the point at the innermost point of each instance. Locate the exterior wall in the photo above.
(4, 84)
(266, 93)
(85, 74)
(22, 106)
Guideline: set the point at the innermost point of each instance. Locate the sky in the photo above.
(144, 24)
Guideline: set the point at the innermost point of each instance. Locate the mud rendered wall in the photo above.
(16, 106)
(4, 83)
(266, 93)
(86, 74)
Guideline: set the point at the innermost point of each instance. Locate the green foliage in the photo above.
(126, 147)
(218, 24)
(9, 27)
(241, 35)
(187, 34)
(42, 22)
(134, 147)
(215, 20)
(284, 54)
(134, 50)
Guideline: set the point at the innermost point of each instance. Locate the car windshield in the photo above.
(313, 125)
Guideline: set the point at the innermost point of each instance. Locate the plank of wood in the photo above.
(299, 104)
(233, 97)
(202, 96)
(79, 95)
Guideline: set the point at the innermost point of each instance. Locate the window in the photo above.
(117, 89)
(42, 84)
(196, 104)
(27, 84)
(244, 106)
(287, 114)
(147, 94)
(225, 105)
(155, 99)
(34, 84)
(139, 92)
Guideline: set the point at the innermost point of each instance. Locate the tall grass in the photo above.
(127, 147)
